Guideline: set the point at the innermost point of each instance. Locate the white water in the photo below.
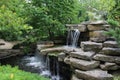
(72, 38)
(38, 62)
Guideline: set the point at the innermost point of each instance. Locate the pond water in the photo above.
(47, 66)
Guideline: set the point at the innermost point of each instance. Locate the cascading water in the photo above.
(72, 38)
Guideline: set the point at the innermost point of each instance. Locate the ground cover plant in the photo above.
(9, 73)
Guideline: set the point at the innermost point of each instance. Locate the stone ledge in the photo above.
(111, 44)
(93, 75)
(106, 58)
(110, 51)
(91, 46)
(83, 64)
(82, 55)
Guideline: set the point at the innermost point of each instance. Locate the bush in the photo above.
(9, 73)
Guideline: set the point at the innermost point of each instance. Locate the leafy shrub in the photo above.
(9, 73)
(114, 31)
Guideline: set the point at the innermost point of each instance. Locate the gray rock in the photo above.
(106, 58)
(93, 75)
(110, 51)
(91, 46)
(9, 52)
(98, 22)
(80, 27)
(83, 65)
(61, 56)
(111, 44)
(75, 78)
(109, 66)
(98, 36)
(8, 45)
(82, 55)
(67, 60)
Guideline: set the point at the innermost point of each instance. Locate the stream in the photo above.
(47, 66)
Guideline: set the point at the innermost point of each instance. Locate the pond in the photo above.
(48, 66)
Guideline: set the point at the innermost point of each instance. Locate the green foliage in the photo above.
(48, 17)
(9, 73)
(115, 12)
(12, 23)
(114, 31)
(97, 9)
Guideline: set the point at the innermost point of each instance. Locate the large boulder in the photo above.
(97, 36)
(91, 46)
(93, 75)
(83, 64)
(82, 55)
(110, 51)
(112, 44)
(109, 66)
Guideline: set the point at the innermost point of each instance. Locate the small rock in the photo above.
(61, 56)
(67, 60)
(93, 75)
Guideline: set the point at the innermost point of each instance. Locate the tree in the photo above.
(12, 21)
(50, 16)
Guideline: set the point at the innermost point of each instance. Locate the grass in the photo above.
(116, 77)
(9, 73)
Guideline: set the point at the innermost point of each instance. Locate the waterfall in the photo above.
(72, 37)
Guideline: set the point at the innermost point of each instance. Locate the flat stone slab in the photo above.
(106, 58)
(83, 64)
(111, 44)
(93, 75)
(8, 45)
(80, 27)
(91, 46)
(109, 66)
(82, 55)
(9, 52)
(110, 51)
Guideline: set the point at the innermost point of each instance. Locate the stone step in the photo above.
(93, 75)
(82, 55)
(112, 44)
(91, 46)
(83, 64)
(106, 58)
(110, 51)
